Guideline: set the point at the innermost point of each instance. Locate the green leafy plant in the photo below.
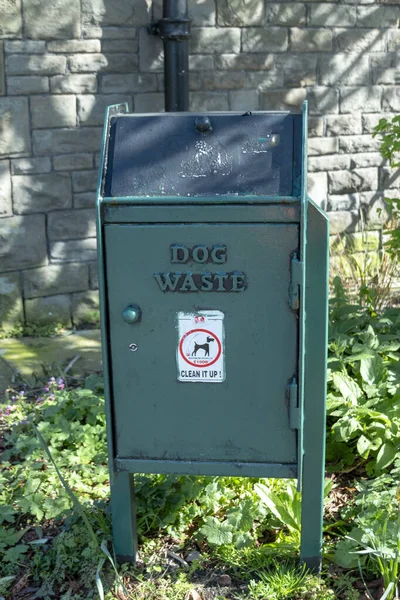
(82, 513)
(375, 504)
(285, 580)
(281, 581)
(14, 552)
(367, 276)
(69, 425)
(389, 131)
(392, 231)
(238, 523)
(381, 543)
(72, 423)
(60, 474)
(363, 388)
(223, 510)
(238, 526)
(285, 506)
(390, 146)
(343, 585)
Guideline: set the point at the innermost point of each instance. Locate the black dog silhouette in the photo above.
(205, 347)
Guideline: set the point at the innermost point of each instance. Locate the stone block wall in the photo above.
(63, 62)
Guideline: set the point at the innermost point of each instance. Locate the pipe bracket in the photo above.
(177, 28)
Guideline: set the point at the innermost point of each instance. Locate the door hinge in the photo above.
(296, 279)
(294, 411)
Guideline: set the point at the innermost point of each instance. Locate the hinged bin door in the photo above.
(244, 418)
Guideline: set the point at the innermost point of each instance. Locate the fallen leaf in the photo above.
(21, 583)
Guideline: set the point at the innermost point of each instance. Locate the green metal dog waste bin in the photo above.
(213, 267)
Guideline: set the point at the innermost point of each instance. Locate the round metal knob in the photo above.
(203, 124)
(132, 314)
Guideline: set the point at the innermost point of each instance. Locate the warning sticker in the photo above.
(200, 352)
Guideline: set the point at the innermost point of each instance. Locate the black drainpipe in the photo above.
(174, 30)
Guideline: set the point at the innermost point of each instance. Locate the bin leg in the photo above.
(315, 356)
(123, 513)
(311, 517)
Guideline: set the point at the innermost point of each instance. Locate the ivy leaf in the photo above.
(385, 457)
(217, 533)
(371, 369)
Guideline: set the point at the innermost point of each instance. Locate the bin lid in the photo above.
(203, 154)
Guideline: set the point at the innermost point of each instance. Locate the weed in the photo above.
(389, 131)
(285, 506)
(286, 580)
(343, 585)
(380, 542)
(282, 581)
(32, 330)
(368, 277)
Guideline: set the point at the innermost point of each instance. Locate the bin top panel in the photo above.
(199, 154)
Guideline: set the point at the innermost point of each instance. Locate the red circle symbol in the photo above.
(210, 333)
